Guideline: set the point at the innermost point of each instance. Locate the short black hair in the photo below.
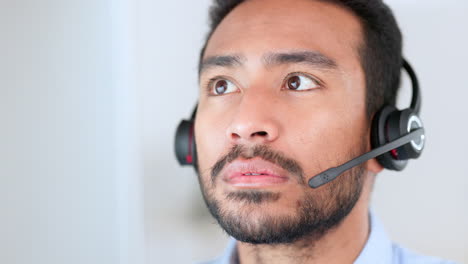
(380, 52)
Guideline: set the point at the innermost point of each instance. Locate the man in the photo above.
(288, 89)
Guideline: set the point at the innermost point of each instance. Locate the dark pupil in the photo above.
(221, 87)
(294, 82)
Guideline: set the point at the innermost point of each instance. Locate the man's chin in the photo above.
(255, 217)
(257, 227)
(264, 217)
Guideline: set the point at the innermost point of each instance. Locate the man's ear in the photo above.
(374, 166)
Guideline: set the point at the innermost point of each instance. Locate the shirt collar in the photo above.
(230, 254)
(378, 248)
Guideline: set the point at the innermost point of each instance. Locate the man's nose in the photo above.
(254, 122)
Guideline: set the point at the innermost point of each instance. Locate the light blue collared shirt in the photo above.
(378, 249)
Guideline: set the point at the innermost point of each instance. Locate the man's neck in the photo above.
(342, 244)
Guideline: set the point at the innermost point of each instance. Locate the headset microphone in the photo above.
(332, 173)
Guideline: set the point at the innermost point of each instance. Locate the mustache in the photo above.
(260, 151)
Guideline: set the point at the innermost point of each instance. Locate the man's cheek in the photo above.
(206, 152)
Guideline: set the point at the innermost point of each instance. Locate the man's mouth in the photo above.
(254, 173)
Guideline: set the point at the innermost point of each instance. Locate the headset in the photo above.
(396, 137)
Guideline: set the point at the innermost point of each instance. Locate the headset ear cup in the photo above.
(401, 123)
(380, 132)
(415, 147)
(184, 143)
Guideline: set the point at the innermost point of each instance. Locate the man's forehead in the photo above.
(309, 29)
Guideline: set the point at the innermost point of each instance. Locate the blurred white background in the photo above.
(91, 93)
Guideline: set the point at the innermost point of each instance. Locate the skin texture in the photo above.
(318, 128)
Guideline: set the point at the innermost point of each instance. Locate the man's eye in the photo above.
(222, 86)
(299, 82)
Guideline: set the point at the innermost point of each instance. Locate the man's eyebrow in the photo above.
(220, 61)
(312, 58)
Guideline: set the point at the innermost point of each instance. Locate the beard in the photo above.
(317, 212)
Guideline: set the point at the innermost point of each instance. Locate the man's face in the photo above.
(282, 98)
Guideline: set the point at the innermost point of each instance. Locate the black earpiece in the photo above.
(184, 143)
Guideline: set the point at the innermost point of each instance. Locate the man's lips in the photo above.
(254, 173)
